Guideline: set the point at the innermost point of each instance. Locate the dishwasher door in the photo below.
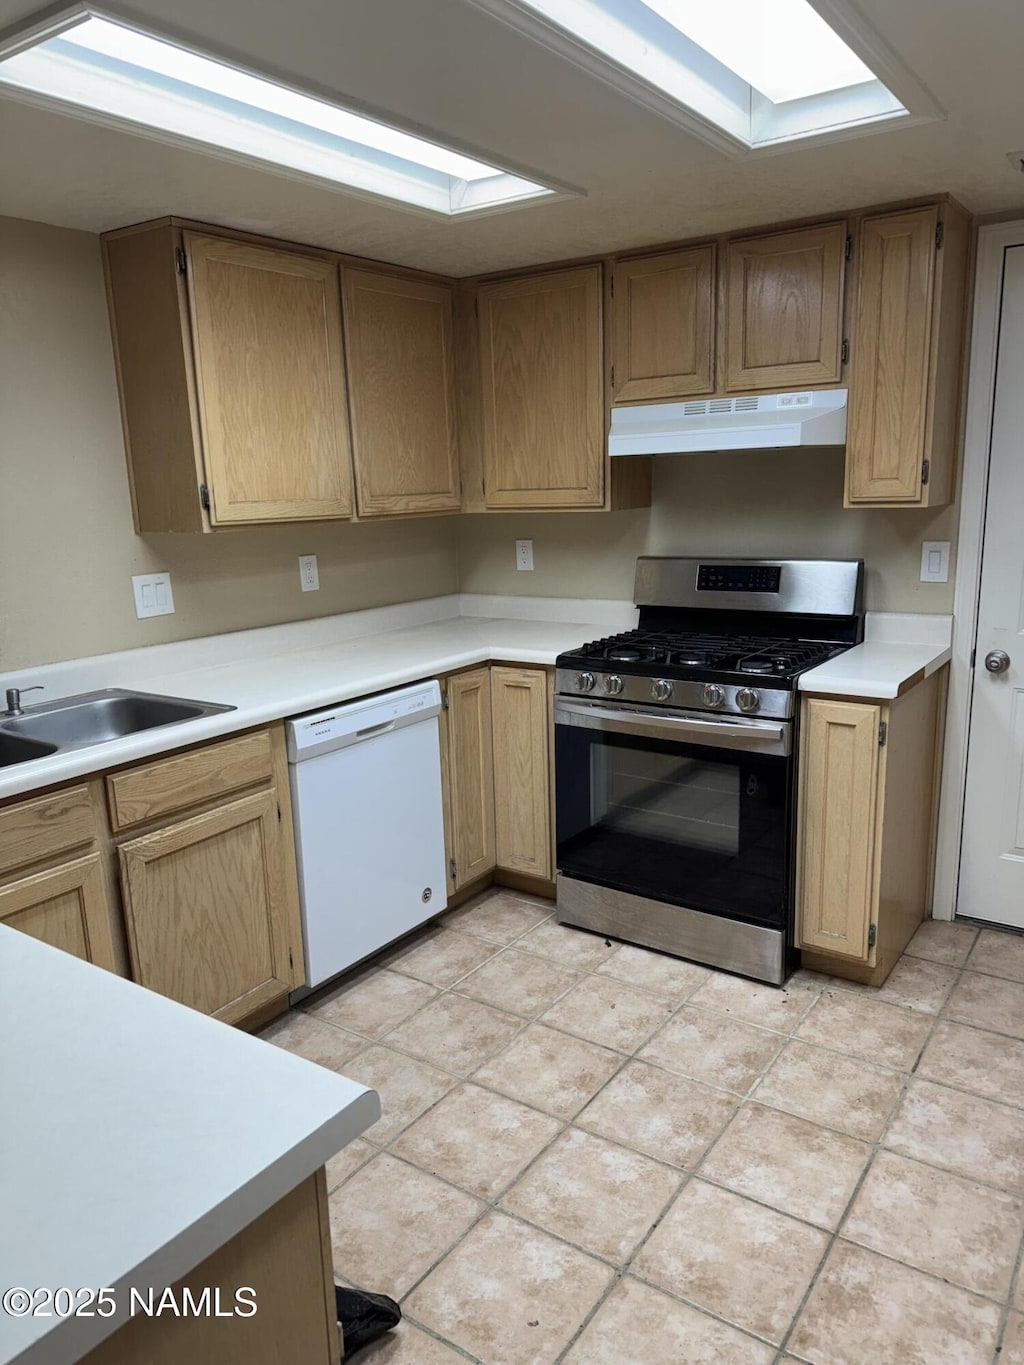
(369, 831)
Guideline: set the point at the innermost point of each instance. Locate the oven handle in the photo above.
(758, 736)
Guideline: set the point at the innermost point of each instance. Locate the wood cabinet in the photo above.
(663, 326)
(522, 770)
(906, 358)
(401, 371)
(542, 390)
(469, 772)
(229, 366)
(865, 828)
(784, 309)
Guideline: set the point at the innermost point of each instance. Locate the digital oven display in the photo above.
(738, 577)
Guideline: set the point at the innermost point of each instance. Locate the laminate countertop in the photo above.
(138, 1136)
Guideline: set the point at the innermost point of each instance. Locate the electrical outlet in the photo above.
(309, 574)
(524, 554)
(935, 561)
(153, 596)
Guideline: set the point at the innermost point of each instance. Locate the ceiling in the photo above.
(455, 71)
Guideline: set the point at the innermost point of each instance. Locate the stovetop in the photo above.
(703, 657)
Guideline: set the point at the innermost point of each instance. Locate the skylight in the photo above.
(112, 72)
(745, 75)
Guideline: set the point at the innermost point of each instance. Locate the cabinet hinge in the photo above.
(180, 260)
(204, 496)
(940, 234)
(612, 284)
(926, 470)
(883, 732)
(291, 960)
(613, 376)
(849, 248)
(872, 934)
(844, 354)
(279, 811)
(444, 700)
(453, 871)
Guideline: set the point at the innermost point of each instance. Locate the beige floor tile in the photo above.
(500, 918)
(519, 982)
(348, 1161)
(551, 1070)
(407, 1088)
(789, 1163)
(373, 1002)
(407, 1345)
(440, 957)
(391, 1222)
(476, 1139)
(455, 1033)
(866, 1028)
(711, 1047)
(767, 1006)
(971, 1059)
(658, 1112)
(658, 972)
(563, 943)
(831, 1090)
(999, 953)
(314, 1039)
(637, 1325)
(961, 1133)
(1013, 1341)
(509, 1294)
(609, 1012)
(594, 1193)
(866, 1308)
(912, 983)
(938, 1222)
(942, 941)
(741, 1261)
(988, 1002)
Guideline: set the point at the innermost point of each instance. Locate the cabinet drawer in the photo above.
(176, 784)
(42, 828)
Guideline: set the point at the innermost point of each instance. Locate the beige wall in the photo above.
(755, 503)
(67, 548)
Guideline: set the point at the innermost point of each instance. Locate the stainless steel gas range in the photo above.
(676, 757)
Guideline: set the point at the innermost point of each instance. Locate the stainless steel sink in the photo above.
(94, 718)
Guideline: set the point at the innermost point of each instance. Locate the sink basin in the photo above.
(97, 717)
(14, 749)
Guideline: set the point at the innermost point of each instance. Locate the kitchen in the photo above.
(468, 379)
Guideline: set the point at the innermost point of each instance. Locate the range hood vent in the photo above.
(767, 421)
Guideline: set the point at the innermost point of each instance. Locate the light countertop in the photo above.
(138, 1136)
(898, 651)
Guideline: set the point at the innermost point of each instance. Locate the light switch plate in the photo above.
(524, 554)
(935, 561)
(309, 574)
(153, 596)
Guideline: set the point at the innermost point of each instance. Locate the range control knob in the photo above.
(585, 682)
(748, 698)
(713, 695)
(661, 690)
(613, 684)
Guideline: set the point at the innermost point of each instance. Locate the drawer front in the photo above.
(171, 785)
(44, 827)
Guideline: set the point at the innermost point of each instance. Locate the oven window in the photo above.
(701, 827)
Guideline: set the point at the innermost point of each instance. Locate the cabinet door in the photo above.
(885, 443)
(542, 394)
(401, 371)
(522, 805)
(266, 334)
(205, 909)
(839, 799)
(784, 308)
(66, 907)
(470, 775)
(663, 314)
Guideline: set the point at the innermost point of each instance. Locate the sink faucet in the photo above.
(14, 695)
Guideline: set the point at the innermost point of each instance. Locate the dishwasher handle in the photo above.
(371, 730)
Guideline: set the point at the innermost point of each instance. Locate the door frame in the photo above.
(992, 243)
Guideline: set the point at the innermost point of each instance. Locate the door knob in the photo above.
(997, 661)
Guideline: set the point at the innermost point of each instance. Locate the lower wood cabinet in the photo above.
(66, 906)
(522, 771)
(469, 773)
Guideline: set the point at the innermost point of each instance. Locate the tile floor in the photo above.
(595, 1154)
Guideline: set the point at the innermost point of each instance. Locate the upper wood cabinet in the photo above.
(663, 333)
(542, 390)
(905, 371)
(401, 368)
(522, 773)
(784, 308)
(229, 364)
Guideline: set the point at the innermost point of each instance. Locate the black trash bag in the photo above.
(363, 1318)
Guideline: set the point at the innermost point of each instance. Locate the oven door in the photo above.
(677, 806)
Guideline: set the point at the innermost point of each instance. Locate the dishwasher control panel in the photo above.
(354, 721)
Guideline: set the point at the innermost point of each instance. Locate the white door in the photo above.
(992, 857)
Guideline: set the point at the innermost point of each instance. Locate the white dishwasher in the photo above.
(369, 831)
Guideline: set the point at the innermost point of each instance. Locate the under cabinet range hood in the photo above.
(767, 421)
